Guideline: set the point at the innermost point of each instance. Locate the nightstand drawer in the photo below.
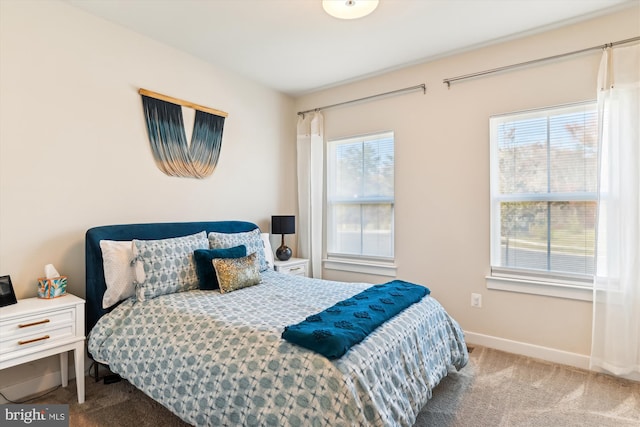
(293, 266)
(21, 326)
(298, 270)
(35, 338)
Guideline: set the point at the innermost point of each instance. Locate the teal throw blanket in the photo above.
(334, 331)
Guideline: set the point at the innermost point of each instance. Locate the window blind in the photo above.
(360, 196)
(543, 191)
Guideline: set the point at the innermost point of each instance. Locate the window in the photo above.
(543, 194)
(360, 197)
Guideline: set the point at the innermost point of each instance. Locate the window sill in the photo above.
(357, 266)
(580, 293)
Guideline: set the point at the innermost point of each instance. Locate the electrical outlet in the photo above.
(476, 300)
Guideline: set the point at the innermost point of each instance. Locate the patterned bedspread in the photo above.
(218, 359)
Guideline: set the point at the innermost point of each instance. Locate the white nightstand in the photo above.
(295, 266)
(35, 328)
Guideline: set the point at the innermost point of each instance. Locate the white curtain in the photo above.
(310, 149)
(616, 299)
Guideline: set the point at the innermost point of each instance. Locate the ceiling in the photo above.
(293, 46)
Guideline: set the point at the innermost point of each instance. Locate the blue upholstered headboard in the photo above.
(95, 284)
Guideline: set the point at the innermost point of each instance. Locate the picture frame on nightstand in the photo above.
(7, 295)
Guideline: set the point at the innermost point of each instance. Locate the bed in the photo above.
(219, 359)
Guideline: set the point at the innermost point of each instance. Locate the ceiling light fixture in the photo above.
(349, 9)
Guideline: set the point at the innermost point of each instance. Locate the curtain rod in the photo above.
(366, 98)
(522, 64)
(173, 100)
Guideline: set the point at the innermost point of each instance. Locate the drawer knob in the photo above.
(40, 322)
(46, 337)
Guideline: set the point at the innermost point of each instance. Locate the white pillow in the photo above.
(119, 275)
(268, 252)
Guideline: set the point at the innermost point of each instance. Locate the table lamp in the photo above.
(283, 224)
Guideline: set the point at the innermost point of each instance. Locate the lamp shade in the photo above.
(283, 224)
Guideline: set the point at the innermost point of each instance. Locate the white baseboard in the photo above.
(530, 350)
(34, 386)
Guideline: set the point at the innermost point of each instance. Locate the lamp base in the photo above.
(283, 253)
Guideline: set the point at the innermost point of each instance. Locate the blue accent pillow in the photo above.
(207, 278)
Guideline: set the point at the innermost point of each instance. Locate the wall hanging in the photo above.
(168, 139)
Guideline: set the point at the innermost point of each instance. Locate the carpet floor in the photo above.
(494, 389)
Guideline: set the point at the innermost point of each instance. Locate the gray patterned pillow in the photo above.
(166, 266)
(251, 239)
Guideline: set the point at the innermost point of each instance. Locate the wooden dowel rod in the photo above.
(173, 100)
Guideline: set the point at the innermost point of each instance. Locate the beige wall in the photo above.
(74, 151)
(442, 169)
(74, 148)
